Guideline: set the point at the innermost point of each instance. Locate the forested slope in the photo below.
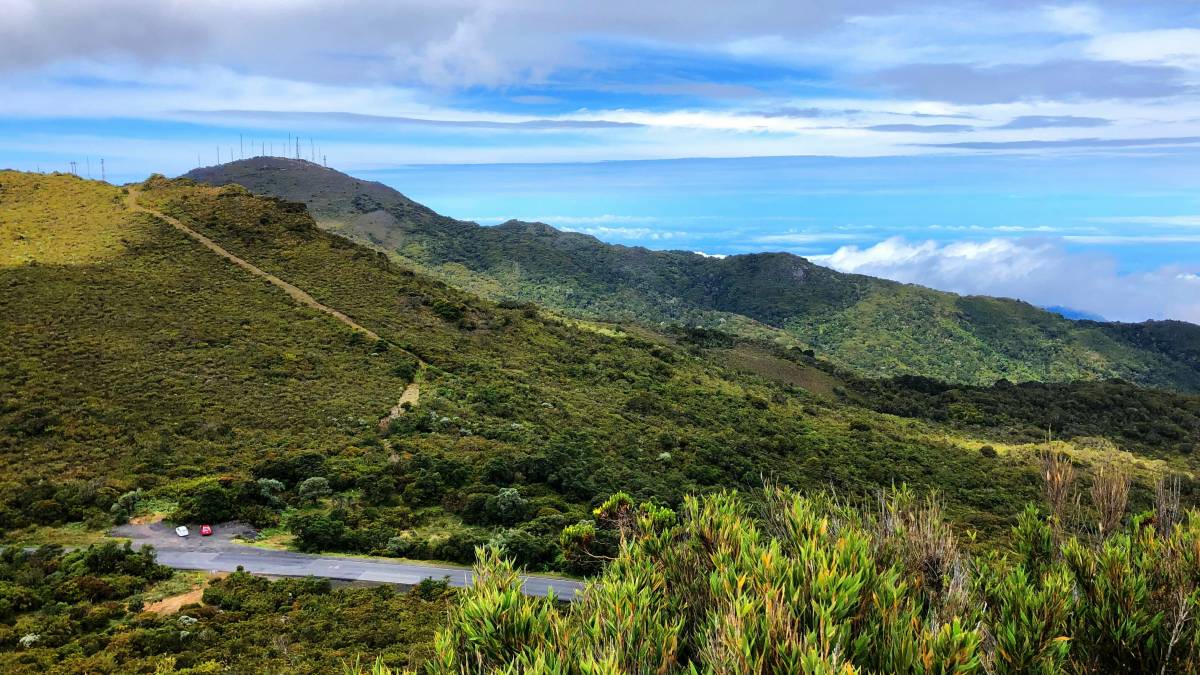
(874, 327)
(154, 365)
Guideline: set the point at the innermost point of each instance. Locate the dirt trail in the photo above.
(411, 393)
(175, 602)
(297, 294)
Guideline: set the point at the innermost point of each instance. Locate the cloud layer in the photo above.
(1040, 272)
(708, 78)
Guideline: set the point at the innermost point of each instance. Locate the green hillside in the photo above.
(144, 375)
(871, 326)
(155, 365)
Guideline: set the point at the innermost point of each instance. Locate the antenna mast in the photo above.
(103, 177)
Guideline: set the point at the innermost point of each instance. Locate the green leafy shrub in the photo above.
(789, 583)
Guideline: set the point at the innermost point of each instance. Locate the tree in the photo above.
(317, 532)
(508, 507)
(123, 508)
(208, 502)
(313, 489)
(426, 488)
(269, 489)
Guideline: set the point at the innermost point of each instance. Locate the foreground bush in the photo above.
(803, 584)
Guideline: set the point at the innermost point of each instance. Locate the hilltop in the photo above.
(870, 326)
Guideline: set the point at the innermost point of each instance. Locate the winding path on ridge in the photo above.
(411, 393)
(220, 553)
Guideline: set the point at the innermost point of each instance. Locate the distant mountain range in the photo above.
(871, 326)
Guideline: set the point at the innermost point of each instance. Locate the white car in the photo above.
(182, 530)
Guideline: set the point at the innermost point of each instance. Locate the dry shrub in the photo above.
(1166, 502)
(1058, 475)
(1110, 494)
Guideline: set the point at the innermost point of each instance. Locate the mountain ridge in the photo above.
(872, 326)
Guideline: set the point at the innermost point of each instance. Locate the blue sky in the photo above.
(1046, 151)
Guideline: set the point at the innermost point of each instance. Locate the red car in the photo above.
(205, 530)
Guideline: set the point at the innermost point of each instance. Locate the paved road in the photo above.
(221, 553)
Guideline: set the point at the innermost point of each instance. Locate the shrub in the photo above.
(318, 532)
(431, 589)
(269, 489)
(313, 489)
(801, 583)
(507, 507)
(209, 502)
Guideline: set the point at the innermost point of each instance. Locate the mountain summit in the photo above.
(872, 326)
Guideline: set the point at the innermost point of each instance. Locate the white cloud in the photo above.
(804, 238)
(1119, 239)
(593, 220)
(439, 42)
(1038, 271)
(629, 233)
(1071, 19)
(152, 59)
(1169, 221)
(1174, 46)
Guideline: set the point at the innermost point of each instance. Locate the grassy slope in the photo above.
(871, 326)
(165, 360)
(149, 361)
(166, 363)
(609, 398)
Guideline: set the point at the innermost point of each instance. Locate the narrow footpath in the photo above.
(411, 393)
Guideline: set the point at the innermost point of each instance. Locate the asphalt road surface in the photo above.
(222, 553)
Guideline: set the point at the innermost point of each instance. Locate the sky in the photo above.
(1044, 151)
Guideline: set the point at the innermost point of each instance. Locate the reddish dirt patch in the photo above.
(175, 602)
